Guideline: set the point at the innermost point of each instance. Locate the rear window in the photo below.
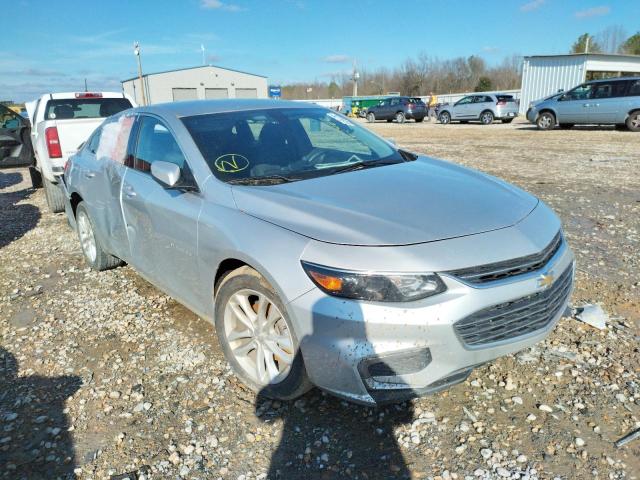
(417, 101)
(65, 109)
(505, 98)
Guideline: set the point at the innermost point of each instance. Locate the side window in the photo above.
(113, 139)
(579, 93)
(634, 89)
(9, 119)
(95, 141)
(465, 101)
(601, 90)
(156, 143)
(395, 101)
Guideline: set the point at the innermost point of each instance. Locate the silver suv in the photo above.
(485, 107)
(615, 101)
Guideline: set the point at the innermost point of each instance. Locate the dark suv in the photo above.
(398, 108)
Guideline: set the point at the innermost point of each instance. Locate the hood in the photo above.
(407, 203)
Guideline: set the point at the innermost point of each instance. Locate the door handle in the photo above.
(130, 192)
(90, 175)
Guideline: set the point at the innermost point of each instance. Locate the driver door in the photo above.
(15, 146)
(573, 106)
(162, 222)
(461, 109)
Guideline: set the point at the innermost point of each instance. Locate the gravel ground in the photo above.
(103, 376)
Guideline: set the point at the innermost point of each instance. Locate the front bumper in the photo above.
(532, 115)
(413, 347)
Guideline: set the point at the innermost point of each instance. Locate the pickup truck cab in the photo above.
(60, 123)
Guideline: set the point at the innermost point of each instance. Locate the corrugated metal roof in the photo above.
(192, 68)
(615, 55)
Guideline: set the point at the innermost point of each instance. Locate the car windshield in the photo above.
(286, 144)
(64, 109)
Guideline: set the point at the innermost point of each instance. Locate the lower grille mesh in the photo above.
(518, 317)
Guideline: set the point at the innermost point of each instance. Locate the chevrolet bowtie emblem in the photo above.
(545, 280)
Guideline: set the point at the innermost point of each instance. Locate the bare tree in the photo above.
(611, 38)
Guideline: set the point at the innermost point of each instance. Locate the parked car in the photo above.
(399, 109)
(15, 146)
(614, 101)
(61, 122)
(483, 107)
(322, 254)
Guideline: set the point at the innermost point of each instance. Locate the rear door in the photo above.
(15, 148)
(479, 105)
(102, 166)
(607, 101)
(162, 222)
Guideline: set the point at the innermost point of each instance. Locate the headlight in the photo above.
(376, 287)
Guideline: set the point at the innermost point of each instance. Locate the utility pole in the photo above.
(85, 85)
(586, 46)
(202, 48)
(136, 52)
(355, 78)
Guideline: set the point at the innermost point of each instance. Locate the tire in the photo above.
(400, 118)
(633, 121)
(445, 118)
(507, 120)
(371, 117)
(546, 121)
(419, 120)
(566, 126)
(93, 253)
(246, 284)
(36, 177)
(486, 117)
(55, 197)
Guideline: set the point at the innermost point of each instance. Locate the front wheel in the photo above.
(257, 337)
(633, 122)
(546, 121)
(400, 118)
(55, 197)
(371, 117)
(94, 254)
(486, 118)
(445, 118)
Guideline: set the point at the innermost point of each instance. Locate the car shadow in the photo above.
(35, 442)
(16, 218)
(324, 437)
(586, 128)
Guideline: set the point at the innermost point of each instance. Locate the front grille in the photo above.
(518, 317)
(509, 268)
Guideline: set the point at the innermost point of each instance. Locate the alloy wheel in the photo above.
(487, 118)
(87, 239)
(258, 336)
(545, 122)
(635, 121)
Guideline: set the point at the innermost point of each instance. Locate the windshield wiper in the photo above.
(265, 179)
(360, 165)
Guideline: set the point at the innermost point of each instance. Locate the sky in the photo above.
(54, 45)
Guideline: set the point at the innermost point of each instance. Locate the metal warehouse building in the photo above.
(543, 75)
(205, 82)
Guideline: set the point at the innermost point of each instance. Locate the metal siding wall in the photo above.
(543, 76)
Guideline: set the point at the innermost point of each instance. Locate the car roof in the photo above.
(600, 80)
(203, 107)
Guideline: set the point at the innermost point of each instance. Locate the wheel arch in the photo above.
(75, 201)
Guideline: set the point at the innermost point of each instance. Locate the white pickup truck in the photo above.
(60, 123)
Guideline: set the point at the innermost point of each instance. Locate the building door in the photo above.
(246, 93)
(180, 94)
(214, 93)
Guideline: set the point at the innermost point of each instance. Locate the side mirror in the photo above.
(560, 90)
(166, 173)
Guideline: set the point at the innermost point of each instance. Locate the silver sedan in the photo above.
(323, 254)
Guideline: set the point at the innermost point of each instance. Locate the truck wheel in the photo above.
(486, 117)
(93, 252)
(546, 121)
(257, 338)
(371, 117)
(36, 177)
(55, 197)
(400, 118)
(633, 121)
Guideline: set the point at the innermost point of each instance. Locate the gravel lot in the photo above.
(103, 376)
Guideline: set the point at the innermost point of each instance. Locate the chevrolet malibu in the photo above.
(323, 254)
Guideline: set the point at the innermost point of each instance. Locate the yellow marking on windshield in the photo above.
(231, 163)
